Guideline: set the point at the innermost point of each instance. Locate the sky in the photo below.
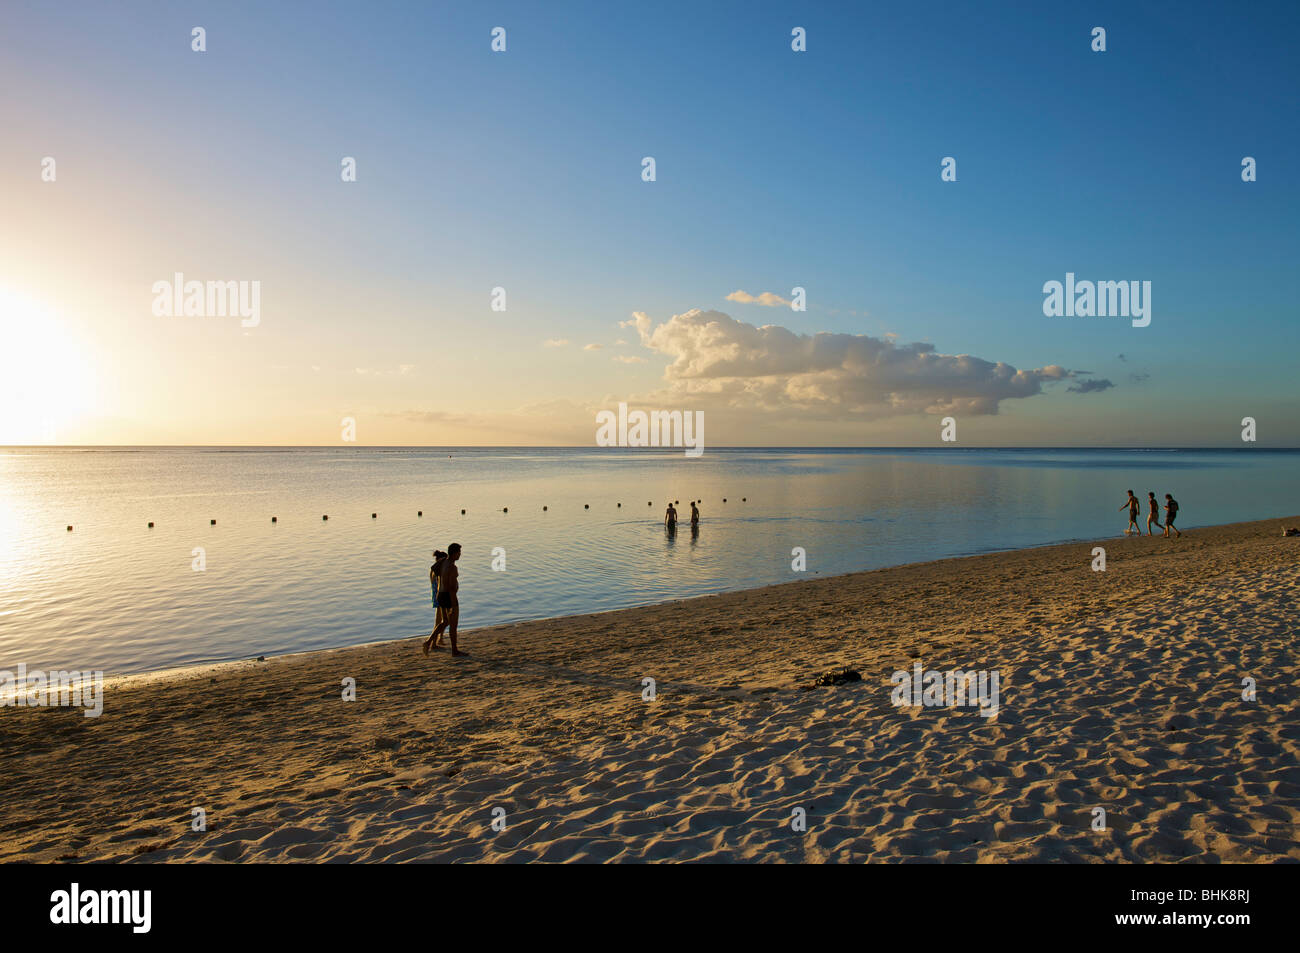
(522, 170)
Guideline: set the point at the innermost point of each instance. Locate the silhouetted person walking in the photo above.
(1154, 515)
(1132, 504)
(1171, 514)
(449, 599)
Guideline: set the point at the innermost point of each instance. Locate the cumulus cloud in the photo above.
(766, 299)
(1090, 386)
(592, 347)
(720, 360)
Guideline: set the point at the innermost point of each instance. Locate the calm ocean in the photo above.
(118, 596)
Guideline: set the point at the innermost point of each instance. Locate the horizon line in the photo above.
(669, 450)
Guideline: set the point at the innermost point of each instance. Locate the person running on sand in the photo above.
(439, 557)
(1154, 515)
(670, 517)
(1171, 514)
(1132, 504)
(449, 599)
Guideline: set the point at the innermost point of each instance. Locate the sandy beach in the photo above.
(1119, 689)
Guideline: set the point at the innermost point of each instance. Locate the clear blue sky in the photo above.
(775, 169)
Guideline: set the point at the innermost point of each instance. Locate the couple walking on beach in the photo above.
(444, 579)
(1153, 516)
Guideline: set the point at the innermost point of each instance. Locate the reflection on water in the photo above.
(115, 595)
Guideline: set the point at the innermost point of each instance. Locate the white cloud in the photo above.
(717, 359)
(555, 342)
(592, 347)
(625, 359)
(767, 299)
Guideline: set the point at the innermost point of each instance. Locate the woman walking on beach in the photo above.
(439, 557)
(1154, 515)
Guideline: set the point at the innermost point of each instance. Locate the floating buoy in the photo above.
(586, 506)
(419, 512)
(151, 525)
(724, 499)
(649, 503)
(69, 529)
(212, 522)
(373, 515)
(462, 512)
(272, 519)
(743, 499)
(505, 509)
(324, 517)
(677, 502)
(620, 506)
(543, 509)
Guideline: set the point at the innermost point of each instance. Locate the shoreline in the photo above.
(1119, 689)
(199, 669)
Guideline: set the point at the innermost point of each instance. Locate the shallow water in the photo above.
(116, 596)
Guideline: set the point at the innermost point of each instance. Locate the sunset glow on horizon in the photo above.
(923, 296)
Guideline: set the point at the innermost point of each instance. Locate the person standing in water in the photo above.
(1154, 515)
(1132, 504)
(449, 599)
(1171, 514)
(695, 515)
(670, 517)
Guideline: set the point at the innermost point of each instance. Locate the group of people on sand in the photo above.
(670, 516)
(1153, 515)
(444, 580)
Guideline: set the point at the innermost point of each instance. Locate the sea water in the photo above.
(114, 595)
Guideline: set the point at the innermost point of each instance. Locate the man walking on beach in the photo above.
(1132, 504)
(1154, 515)
(449, 599)
(1171, 513)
